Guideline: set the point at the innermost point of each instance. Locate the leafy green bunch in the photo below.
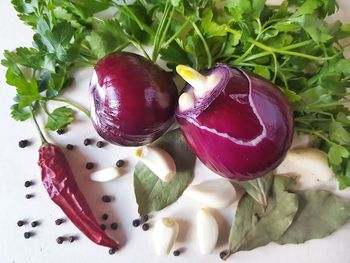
(289, 44)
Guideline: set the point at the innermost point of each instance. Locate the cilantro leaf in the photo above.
(60, 118)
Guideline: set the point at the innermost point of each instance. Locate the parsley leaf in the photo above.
(19, 114)
(59, 118)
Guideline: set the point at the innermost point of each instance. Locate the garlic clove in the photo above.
(165, 235)
(218, 193)
(207, 231)
(310, 164)
(158, 161)
(302, 141)
(105, 175)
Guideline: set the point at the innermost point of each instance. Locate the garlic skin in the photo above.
(218, 193)
(207, 231)
(165, 234)
(105, 175)
(310, 164)
(158, 161)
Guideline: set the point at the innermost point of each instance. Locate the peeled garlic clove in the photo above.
(207, 231)
(105, 175)
(158, 161)
(309, 163)
(165, 235)
(218, 193)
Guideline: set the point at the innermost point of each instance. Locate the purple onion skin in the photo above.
(133, 101)
(242, 129)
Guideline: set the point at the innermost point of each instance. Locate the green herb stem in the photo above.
(42, 137)
(80, 108)
(286, 52)
(176, 34)
(160, 31)
(165, 31)
(205, 44)
(138, 45)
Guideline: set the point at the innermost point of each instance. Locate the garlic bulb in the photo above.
(207, 231)
(158, 161)
(165, 235)
(218, 193)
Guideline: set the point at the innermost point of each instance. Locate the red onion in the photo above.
(133, 101)
(241, 128)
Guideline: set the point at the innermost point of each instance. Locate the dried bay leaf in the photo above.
(152, 194)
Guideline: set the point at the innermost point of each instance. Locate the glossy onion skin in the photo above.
(133, 101)
(242, 129)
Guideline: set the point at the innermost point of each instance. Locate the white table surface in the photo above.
(18, 165)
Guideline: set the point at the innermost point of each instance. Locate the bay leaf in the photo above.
(320, 213)
(259, 188)
(255, 226)
(152, 194)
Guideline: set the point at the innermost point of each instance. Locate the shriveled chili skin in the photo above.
(58, 180)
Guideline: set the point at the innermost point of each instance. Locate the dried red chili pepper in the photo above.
(58, 179)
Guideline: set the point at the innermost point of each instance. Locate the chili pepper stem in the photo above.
(42, 137)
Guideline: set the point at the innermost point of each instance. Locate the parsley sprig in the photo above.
(290, 44)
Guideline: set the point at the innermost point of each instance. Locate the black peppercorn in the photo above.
(28, 235)
(89, 165)
(59, 240)
(106, 199)
(100, 144)
(114, 226)
(176, 253)
(223, 254)
(136, 222)
(35, 224)
(105, 216)
(87, 142)
(21, 223)
(71, 239)
(144, 218)
(103, 227)
(60, 131)
(28, 183)
(112, 251)
(145, 227)
(23, 143)
(70, 147)
(28, 196)
(120, 163)
(59, 221)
